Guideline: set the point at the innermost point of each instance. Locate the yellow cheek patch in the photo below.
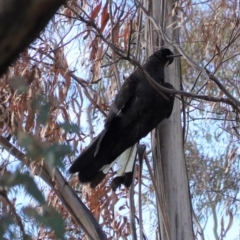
(166, 64)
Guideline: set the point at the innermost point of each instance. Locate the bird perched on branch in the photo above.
(137, 109)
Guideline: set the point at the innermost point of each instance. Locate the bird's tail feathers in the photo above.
(86, 160)
(125, 172)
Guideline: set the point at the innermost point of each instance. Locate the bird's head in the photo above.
(164, 55)
(167, 55)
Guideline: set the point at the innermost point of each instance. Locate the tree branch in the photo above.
(20, 24)
(54, 178)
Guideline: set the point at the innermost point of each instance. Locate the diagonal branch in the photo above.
(190, 61)
(56, 181)
(14, 212)
(224, 90)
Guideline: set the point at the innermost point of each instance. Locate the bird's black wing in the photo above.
(137, 109)
(123, 99)
(122, 102)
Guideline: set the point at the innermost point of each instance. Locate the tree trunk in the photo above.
(174, 206)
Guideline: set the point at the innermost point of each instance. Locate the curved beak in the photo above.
(171, 56)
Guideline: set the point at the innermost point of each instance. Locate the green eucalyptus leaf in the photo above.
(55, 153)
(18, 84)
(70, 127)
(48, 217)
(44, 113)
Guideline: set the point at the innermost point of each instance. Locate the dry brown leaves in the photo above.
(71, 67)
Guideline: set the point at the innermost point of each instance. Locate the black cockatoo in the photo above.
(137, 109)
